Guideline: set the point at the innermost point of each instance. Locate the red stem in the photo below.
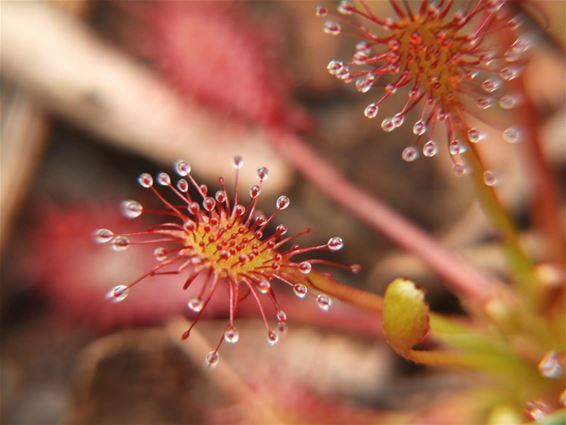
(458, 275)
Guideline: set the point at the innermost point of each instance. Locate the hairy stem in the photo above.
(459, 276)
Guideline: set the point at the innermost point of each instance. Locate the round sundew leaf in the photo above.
(405, 315)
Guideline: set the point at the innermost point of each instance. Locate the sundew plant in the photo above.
(458, 68)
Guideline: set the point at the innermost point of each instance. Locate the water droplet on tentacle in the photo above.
(430, 149)
(163, 179)
(117, 294)
(120, 243)
(182, 168)
(283, 202)
(231, 335)
(419, 128)
(103, 235)
(371, 110)
(335, 243)
(346, 7)
(512, 135)
(305, 267)
(300, 290)
(410, 154)
(145, 180)
(332, 28)
(237, 162)
(212, 359)
(131, 209)
(195, 304)
(549, 366)
(490, 178)
(160, 253)
(324, 302)
(272, 338)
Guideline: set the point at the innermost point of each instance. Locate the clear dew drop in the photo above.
(281, 229)
(371, 111)
(300, 290)
(549, 366)
(239, 210)
(182, 168)
(490, 178)
(520, 46)
(117, 294)
(283, 202)
(334, 67)
(344, 74)
(475, 136)
(365, 83)
(456, 147)
(131, 209)
(305, 267)
(237, 162)
(419, 128)
(182, 185)
(145, 180)
(208, 203)
(324, 302)
(281, 316)
(220, 196)
(387, 125)
(272, 337)
(410, 154)
(255, 190)
(361, 57)
(398, 120)
(430, 149)
(362, 45)
(346, 7)
(512, 135)
(509, 101)
(195, 304)
(414, 93)
(321, 11)
(282, 327)
(160, 253)
(509, 73)
(262, 174)
(537, 410)
(212, 359)
(103, 235)
(490, 85)
(460, 169)
(484, 102)
(231, 335)
(332, 28)
(335, 243)
(163, 179)
(120, 243)
(263, 286)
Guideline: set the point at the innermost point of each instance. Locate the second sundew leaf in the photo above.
(405, 315)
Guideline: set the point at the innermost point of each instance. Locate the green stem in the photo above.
(519, 262)
(348, 294)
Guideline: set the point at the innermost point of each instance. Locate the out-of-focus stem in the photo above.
(546, 207)
(519, 262)
(459, 276)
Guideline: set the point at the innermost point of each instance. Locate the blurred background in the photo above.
(95, 92)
